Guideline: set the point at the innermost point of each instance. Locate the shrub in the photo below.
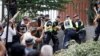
(90, 48)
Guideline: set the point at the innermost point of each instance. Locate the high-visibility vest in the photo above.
(48, 28)
(68, 24)
(78, 25)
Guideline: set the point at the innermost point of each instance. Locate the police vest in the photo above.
(48, 26)
(68, 24)
(78, 24)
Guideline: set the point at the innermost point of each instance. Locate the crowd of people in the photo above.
(31, 37)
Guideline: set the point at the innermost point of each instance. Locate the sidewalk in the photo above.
(90, 32)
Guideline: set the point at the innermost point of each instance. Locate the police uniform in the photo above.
(97, 30)
(70, 32)
(80, 30)
(50, 33)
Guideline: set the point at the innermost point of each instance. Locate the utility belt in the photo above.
(51, 32)
(69, 29)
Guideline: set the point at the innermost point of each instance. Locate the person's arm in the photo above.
(95, 10)
(95, 20)
(41, 37)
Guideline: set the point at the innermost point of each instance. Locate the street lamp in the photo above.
(7, 22)
(3, 3)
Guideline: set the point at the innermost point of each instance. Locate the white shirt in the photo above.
(11, 33)
(26, 36)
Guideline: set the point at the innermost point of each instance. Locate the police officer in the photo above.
(79, 27)
(70, 32)
(50, 33)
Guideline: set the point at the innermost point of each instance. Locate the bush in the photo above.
(90, 48)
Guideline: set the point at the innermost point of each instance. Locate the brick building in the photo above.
(77, 7)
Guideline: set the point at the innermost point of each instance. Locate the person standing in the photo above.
(97, 30)
(50, 33)
(29, 46)
(11, 33)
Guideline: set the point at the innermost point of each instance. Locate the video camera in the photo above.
(23, 28)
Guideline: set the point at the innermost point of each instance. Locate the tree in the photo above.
(33, 6)
(90, 12)
(12, 6)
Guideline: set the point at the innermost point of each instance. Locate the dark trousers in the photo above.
(48, 37)
(82, 35)
(8, 46)
(70, 34)
(97, 33)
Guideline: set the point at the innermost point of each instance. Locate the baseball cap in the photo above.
(29, 41)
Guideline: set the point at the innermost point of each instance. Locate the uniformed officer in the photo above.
(50, 33)
(70, 32)
(79, 27)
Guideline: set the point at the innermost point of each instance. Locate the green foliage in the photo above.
(40, 5)
(89, 48)
(90, 11)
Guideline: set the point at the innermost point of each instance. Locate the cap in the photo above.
(29, 41)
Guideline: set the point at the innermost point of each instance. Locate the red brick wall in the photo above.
(77, 7)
